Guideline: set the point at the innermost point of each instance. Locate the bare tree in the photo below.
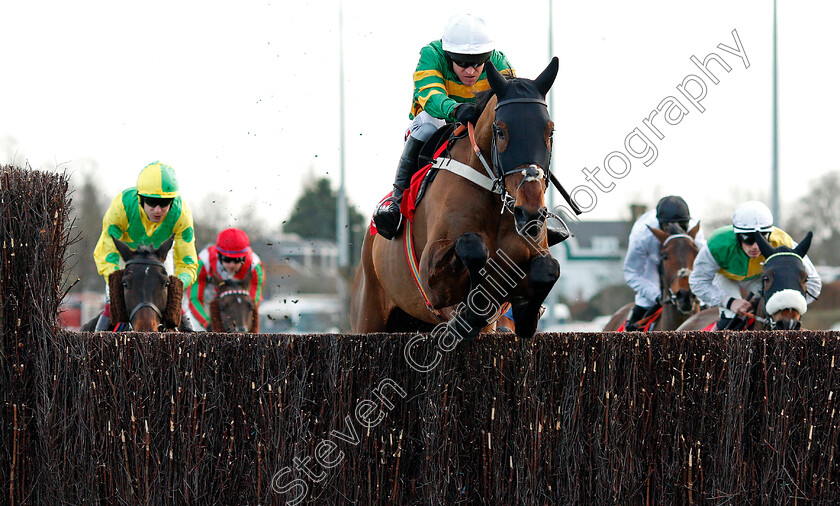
(86, 218)
(819, 212)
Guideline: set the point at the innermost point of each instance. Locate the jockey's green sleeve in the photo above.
(730, 256)
(125, 220)
(437, 89)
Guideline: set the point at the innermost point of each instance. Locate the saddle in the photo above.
(437, 145)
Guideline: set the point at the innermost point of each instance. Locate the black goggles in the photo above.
(749, 239)
(156, 201)
(232, 260)
(465, 65)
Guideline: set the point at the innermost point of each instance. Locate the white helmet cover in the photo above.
(466, 34)
(752, 216)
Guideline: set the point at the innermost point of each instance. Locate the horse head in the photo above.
(233, 309)
(520, 131)
(142, 293)
(783, 282)
(677, 253)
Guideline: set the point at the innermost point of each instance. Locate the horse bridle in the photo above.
(146, 261)
(683, 272)
(532, 172)
(769, 321)
(236, 292)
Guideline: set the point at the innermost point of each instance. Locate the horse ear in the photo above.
(124, 250)
(694, 230)
(546, 79)
(764, 246)
(802, 248)
(660, 234)
(497, 81)
(165, 247)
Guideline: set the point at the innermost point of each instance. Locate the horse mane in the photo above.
(483, 97)
(673, 228)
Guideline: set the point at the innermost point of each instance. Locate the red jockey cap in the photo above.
(232, 242)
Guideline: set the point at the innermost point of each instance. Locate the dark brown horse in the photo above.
(480, 243)
(677, 252)
(142, 293)
(233, 309)
(781, 302)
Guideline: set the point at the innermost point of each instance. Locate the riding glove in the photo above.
(466, 113)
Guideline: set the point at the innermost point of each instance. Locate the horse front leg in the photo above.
(543, 272)
(473, 314)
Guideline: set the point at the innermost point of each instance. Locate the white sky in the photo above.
(243, 97)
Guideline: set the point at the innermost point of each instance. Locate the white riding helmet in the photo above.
(752, 216)
(466, 34)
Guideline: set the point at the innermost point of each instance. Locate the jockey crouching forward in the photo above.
(230, 258)
(730, 266)
(641, 265)
(148, 213)
(448, 75)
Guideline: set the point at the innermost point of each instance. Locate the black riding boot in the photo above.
(637, 314)
(733, 323)
(103, 324)
(388, 217)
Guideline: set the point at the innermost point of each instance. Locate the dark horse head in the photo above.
(521, 144)
(676, 260)
(142, 293)
(783, 282)
(233, 309)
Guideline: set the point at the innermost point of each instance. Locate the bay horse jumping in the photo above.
(781, 301)
(142, 294)
(479, 230)
(677, 252)
(233, 309)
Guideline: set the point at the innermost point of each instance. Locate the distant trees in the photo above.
(314, 217)
(86, 218)
(819, 211)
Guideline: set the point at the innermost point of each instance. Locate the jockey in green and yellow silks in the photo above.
(438, 87)
(730, 265)
(448, 75)
(148, 213)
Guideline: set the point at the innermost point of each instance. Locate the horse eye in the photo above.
(665, 256)
(500, 134)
